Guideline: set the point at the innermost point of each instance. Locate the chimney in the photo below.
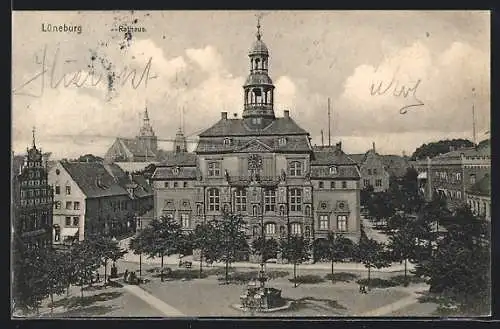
(286, 114)
(224, 115)
(338, 146)
(373, 147)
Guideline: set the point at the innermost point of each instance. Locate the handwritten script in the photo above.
(399, 90)
(46, 76)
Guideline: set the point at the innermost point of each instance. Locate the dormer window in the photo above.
(282, 141)
(175, 171)
(227, 142)
(333, 170)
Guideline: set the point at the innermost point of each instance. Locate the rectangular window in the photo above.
(68, 221)
(374, 171)
(241, 200)
(366, 182)
(68, 190)
(185, 221)
(213, 169)
(344, 184)
(378, 182)
(332, 185)
(323, 222)
(369, 171)
(175, 184)
(295, 168)
(185, 184)
(270, 200)
(295, 200)
(58, 189)
(321, 184)
(68, 205)
(76, 205)
(57, 205)
(213, 200)
(342, 223)
(76, 221)
(166, 184)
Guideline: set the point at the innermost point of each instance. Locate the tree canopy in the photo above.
(436, 148)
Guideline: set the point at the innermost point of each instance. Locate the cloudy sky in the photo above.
(372, 65)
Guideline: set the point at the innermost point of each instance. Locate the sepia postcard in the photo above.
(250, 164)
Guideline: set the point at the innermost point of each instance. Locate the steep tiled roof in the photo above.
(395, 165)
(237, 127)
(168, 173)
(143, 189)
(343, 172)
(330, 156)
(293, 143)
(86, 174)
(481, 187)
(467, 152)
(136, 147)
(358, 158)
(177, 159)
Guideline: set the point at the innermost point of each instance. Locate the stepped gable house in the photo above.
(262, 167)
(31, 199)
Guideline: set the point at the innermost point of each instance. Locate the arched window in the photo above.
(295, 168)
(270, 229)
(295, 199)
(255, 211)
(213, 199)
(282, 210)
(240, 198)
(296, 228)
(308, 210)
(257, 63)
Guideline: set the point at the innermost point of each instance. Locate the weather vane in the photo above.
(259, 18)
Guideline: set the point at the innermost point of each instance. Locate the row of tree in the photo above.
(39, 273)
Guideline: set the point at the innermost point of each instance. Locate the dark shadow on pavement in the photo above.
(78, 302)
(90, 311)
(322, 304)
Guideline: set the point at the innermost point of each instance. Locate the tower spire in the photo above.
(259, 17)
(33, 131)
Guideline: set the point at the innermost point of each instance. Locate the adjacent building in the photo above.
(262, 167)
(478, 197)
(32, 199)
(376, 169)
(92, 197)
(453, 174)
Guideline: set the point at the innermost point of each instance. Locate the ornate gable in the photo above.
(254, 146)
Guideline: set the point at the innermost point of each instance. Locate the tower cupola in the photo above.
(258, 88)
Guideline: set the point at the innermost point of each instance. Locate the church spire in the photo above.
(258, 27)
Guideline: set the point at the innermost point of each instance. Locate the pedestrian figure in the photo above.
(125, 275)
(362, 289)
(98, 278)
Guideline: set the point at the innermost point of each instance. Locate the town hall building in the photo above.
(262, 167)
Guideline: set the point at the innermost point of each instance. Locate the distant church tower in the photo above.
(258, 89)
(147, 136)
(180, 143)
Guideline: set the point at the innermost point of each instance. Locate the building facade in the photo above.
(262, 167)
(454, 173)
(376, 169)
(96, 198)
(32, 199)
(478, 197)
